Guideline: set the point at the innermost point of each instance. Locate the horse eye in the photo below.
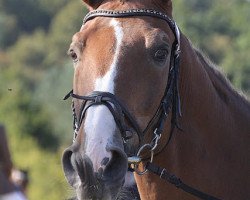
(161, 55)
(73, 55)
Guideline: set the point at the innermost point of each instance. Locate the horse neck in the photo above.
(215, 122)
(210, 104)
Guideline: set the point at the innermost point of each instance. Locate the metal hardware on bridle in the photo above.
(134, 161)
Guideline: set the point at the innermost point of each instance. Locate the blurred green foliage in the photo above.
(35, 73)
(221, 29)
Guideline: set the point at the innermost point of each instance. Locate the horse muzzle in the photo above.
(103, 184)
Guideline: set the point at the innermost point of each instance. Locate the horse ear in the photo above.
(92, 4)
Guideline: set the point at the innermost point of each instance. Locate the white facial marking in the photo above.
(99, 124)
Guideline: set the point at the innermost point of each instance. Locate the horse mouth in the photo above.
(105, 184)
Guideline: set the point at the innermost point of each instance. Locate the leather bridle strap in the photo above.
(171, 178)
(129, 13)
(116, 108)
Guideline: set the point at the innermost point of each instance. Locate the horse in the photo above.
(148, 106)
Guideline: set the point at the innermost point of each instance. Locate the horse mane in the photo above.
(222, 85)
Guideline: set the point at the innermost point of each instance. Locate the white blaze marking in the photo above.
(99, 123)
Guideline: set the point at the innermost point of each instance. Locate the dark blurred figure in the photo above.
(8, 190)
(20, 178)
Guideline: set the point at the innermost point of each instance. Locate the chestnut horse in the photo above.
(144, 97)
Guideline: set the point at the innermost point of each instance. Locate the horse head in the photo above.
(123, 56)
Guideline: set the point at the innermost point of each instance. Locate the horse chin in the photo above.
(102, 191)
(108, 193)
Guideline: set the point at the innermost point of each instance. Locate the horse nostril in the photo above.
(104, 161)
(116, 167)
(68, 168)
(66, 160)
(78, 169)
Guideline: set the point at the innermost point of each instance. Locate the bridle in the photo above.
(127, 124)
(120, 113)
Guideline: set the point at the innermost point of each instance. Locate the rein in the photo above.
(169, 101)
(177, 182)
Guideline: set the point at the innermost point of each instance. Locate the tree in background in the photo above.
(220, 29)
(31, 89)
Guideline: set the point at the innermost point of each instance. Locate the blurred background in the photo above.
(35, 74)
